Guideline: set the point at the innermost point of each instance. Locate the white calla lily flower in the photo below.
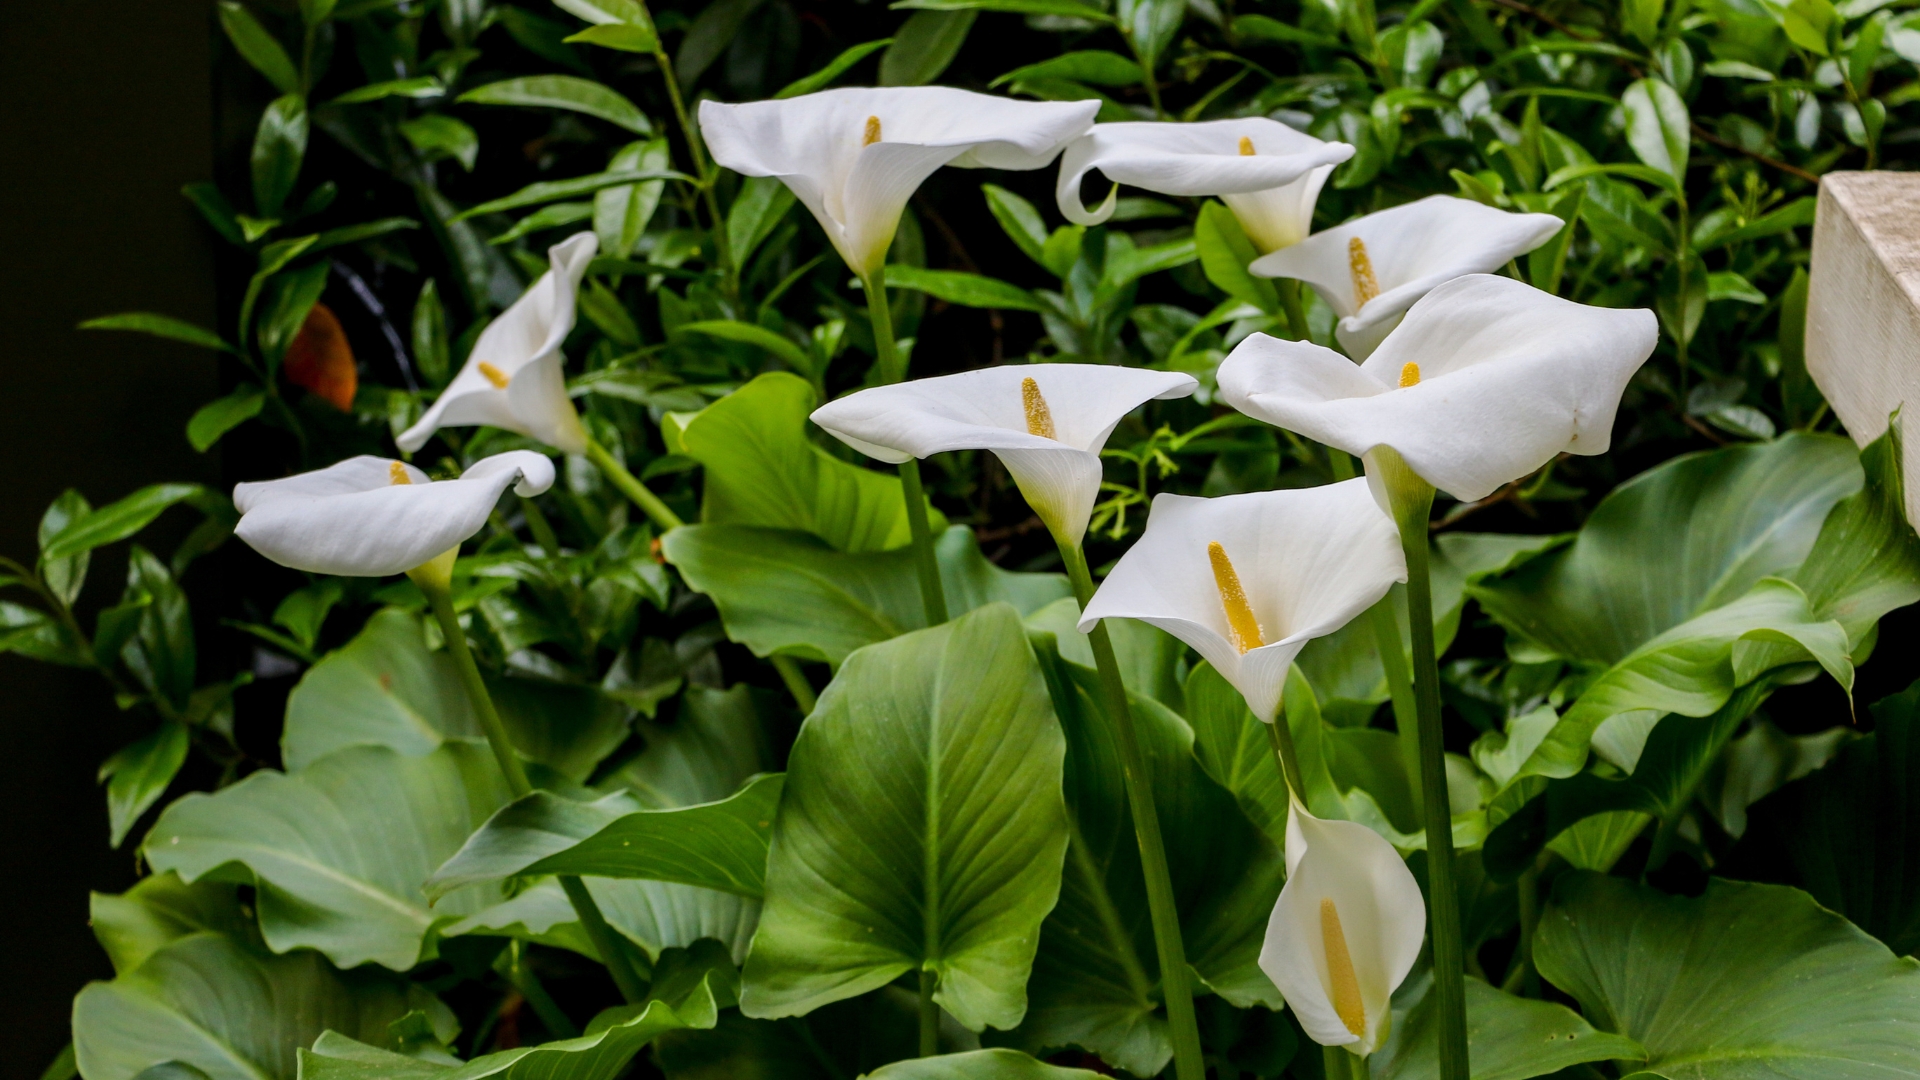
(1346, 930)
(1372, 269)
(515, 378)
(1046, 422)
(1484, 382)
(370, 516)
(1269, 174)
(855, 156)
(1248, 580)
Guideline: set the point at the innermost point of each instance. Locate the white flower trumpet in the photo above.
(1248, 580)
(1046, 422)
(1345, 932)
(1269, 174)
(855, 156)
(1484, 382)
(514, 378)
(370, 517)
(1371, 270)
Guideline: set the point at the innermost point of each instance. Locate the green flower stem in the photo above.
(557, 1023)
(929, 1015)
(433, 581)
(1188, 1062)
(1281, 736)
(797, 683)
(1386, 638)
(630, 486)
(1412, 501)
(541, 528)
(888, 369)
(702, 168)
(1521, 976)
(1289, 290)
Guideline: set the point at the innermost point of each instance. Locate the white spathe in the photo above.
(359, 518)
(855, 156)
(1410, 250)
(515, 376)
(1271, 190)
(990, 409)
(1308, 560)
(1509, 376)
(1381, 919)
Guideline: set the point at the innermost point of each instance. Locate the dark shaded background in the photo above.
(103, 116)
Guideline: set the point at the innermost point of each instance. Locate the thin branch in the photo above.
(1727, 144)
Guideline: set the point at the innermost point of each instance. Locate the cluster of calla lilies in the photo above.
(1455, 380)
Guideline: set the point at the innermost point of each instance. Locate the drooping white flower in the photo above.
(369, 516)
(1346, 930)
(1372, 269)
(1248, 580)
(855, 156)
(1046, 422)
(1269, 174)
(515, 377)
(1484, 382)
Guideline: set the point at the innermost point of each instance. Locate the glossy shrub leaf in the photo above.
(1678, 540)
(339, 850)
(166, 326)
(385, 688)
(1095, 67)
(160, 652)
(138, 775)
(621, 214)
(279, 146)
(232, 1012)
(437, 136)
(923, 47)
(757, 336)
(835, 68)
(115, 521)
(603, 1053)
(1020, 220)
(546, 191)
(921, 828)
(1850, 833)
(258, 47)
(978, 1065)
(64, 576)
(1745, 981)
(1658, 126)
(216, 418)
(761, 468)
(791, 593)
(1866, 560)
(1096, 982)
(964, 289)
(568, 92)
(1508, 1037)
(720, 845)
(625, 37)
(762, 204)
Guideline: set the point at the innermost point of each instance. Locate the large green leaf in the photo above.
(1149, 657)
(1096, 981)
(603, 1053)
(721, 845)
(385, 688)
(339, 850)
(761, 469)
(1678, 540)
(922, 828)
(1850, 833)
(234, 1013)
(978, 1065)
(161, 909)
(1747, 981)
(1508, 1038)
(791, 593)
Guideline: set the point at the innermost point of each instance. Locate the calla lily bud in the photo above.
(1345, 932)
(1046, 422)
(370, 516)
(1248, 580)
(515, 377)
(1372, 269)
(1269, 174)
(1485, 381)
(855, 156)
